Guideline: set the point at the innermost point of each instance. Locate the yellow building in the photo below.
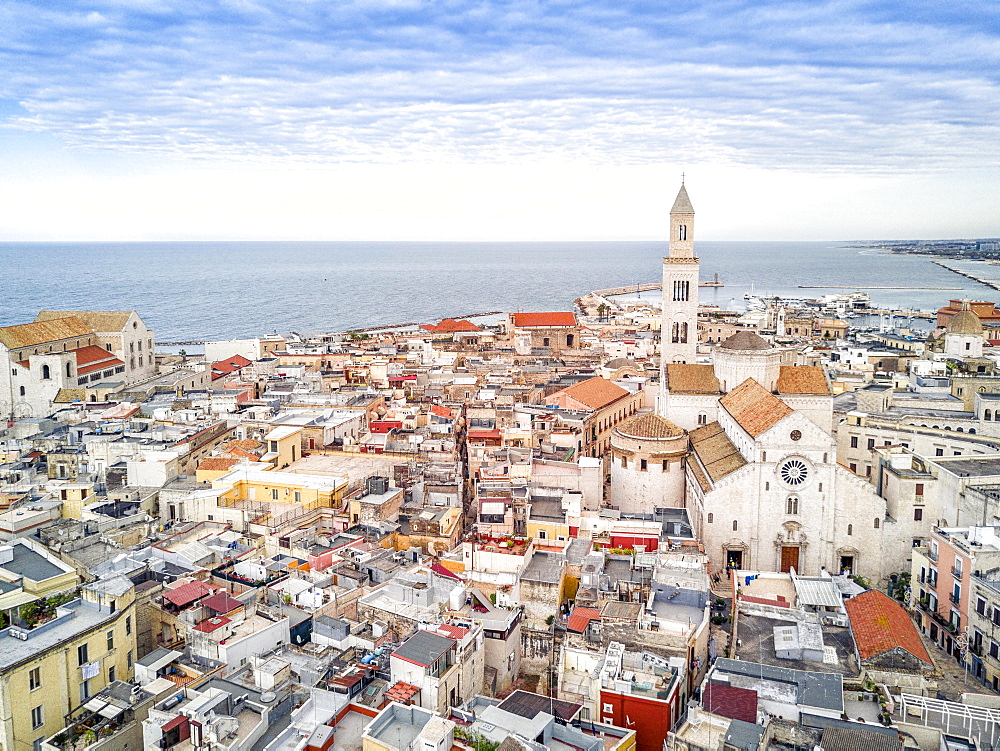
(251, 484)
(34, 569)
(284, 446)
(52, 665)
(74, 495)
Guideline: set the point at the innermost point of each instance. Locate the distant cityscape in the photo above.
(640, 523)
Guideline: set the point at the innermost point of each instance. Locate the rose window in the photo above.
(794, 472)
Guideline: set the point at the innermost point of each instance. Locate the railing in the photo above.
(956, 572)
(932, 554)
(955, 599)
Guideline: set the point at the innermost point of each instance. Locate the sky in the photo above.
(561, 120)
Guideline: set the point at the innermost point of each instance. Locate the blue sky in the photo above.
(403, 119)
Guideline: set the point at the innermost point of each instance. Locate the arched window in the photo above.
(876, 522)
(22, 391)
(987, 416)
(46, 373)
(682, 232)
(850, 530)
(711, 518)
(684, 333)
(736, 525)
(69, 370)
(792, 505)
(960, 430)
(702, 418)
(972, 430)
(767, 486)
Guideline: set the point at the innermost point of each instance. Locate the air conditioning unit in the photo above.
(19, 634)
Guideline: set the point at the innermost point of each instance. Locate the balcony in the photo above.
(932, 554)
(956, 572)
(955, 599)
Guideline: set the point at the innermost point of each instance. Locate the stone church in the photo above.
(745, 444)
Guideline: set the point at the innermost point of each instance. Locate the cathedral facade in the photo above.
(746, 445)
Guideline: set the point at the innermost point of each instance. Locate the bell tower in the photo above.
(679, 328)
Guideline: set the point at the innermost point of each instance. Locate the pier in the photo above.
(967, 275)
(649, 287)
(833, 286)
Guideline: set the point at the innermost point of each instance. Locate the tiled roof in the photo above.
(440, 411)
(859, 739)
(221, 603)
(595, 392)
(805, 379)
(188, 592)
(401, 692)
(730, 701)
(580, 618)
(91, 353)
(745, 340)
(450, 324)
(67, 396)
(682, 204)
(690, 378)
(716, 452)
(529, 320)
(880, 624)
(247, 444)
(42, 332)
(102, 321)
(649, 425)
(218, 463)
(754, 408)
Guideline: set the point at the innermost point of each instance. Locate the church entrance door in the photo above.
(789, 558)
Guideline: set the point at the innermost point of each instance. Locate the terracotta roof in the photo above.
(42, 332)
(91, 353)
(716, 452)
(649, 426)
(754, 408)
(692, 379)
(730, 701)
(188, 592)
(595, 392)
(102, 321)
(247, 444)
(580, 618)
(805, 379)
(209, 625)
(450, 324)
(440, 411)
(218, 463)
(745, 340)
(879, 624)
(529, 320)
(965, 322)
(402, 692)
(221, 603)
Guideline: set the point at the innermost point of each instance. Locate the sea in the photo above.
(193, 291)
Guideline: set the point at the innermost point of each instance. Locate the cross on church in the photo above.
(682, 178)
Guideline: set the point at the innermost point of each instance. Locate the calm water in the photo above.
(212, 290)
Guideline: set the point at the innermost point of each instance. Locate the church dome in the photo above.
(965, 322)
(649, 426)
(745, 340)
(620, 362)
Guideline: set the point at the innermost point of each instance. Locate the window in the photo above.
(46, 373)
(128, 659)
(35, 678)
(22, 391)
(854, 441)
(871, 443)
(682, 232)
(545, 341)
(794, 472)
(541, 534)
(111, 674)
(736, 525)
(128, 625)
(918, 514)
(81, 654)
(820, 488)
(666, 465)
(763, 456)
(994, 650)
(69, 370)
(85, 690)
(767, 486)
(702, 418)
(876, 522)
(274, 494)
(980, 606)
(795, 435)
(624, 463)
(642, 465)
(111, 640)
(792, 505)
(298, 496)
(37, 717)
(850, 530)
(938, 452)
(854, 467)
(711, 518)
(919, 489)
